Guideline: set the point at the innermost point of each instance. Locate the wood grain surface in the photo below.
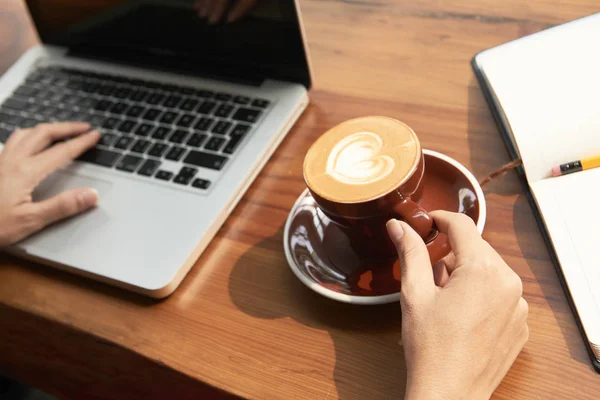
(241, 322)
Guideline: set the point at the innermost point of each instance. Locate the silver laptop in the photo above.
(189, 113)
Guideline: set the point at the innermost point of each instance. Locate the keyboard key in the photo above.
(123, 93)
(201, 183)
(26, 91)
(86, 102)
(135, 111)
(158, 149)
(143, 130)
(221, 127)
(34, 77)
(246, 115)
(241, 99)
(240, 129)
(152, 114)
(43, 95)
(15, 104)
(233, 143)
(185, 175)
(75, 85)
(124, 142)
(215, 143)
(4, 135)
(172, 101)
(10, 119)
(224, 110)
(260, 103)
(105, 158)
(188, 171)
(148, 167)
(183, 179)
(206, 160)
(189, 104)
(168, 117)
(48, 112)
(129, 163)
(29, 123)
(107, 139)
(139, 95)
(118, 108)
(91, 88)
(196, 140)
(141, 146)
(60, 82)
(206, 107)
(175, 153)
(155, 98)
(186, 120)
(204, 93)
(107, 90)
(169, 87)
(95, 120)
(33, 108)
(127, 126)
(161, 133)
(223, 96)
(104, 105)
(46, 80)
(178, 136)
(164, 175)
(56, 98)
(204, 123)
(110, 123)
(185, 90)
(63, 115)
(81, 116)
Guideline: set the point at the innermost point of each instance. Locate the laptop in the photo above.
(189, 111)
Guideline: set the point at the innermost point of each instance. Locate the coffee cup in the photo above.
(365, 171)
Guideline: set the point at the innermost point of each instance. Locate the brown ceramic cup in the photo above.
(357, 196)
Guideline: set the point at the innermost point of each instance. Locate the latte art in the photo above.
(361, 159)
(355, 160)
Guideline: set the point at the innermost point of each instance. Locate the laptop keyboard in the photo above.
(143, 123)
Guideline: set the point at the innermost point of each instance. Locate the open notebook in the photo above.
(544, 90)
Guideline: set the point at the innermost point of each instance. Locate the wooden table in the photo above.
(241, 322)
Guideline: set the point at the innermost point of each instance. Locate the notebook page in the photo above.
(570, 206)
(548, 85)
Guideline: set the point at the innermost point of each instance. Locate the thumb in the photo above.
(417, 274)
(66, 204)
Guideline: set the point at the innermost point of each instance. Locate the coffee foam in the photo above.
(361, 159)
(356, 160)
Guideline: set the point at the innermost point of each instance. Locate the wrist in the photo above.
(416, 392)
(427, 387)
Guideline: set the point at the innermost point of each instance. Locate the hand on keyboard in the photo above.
(28, 157)
(214, 10)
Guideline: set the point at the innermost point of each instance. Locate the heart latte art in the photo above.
(361, 159)
(356, 160)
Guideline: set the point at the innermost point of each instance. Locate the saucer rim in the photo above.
(387, 298)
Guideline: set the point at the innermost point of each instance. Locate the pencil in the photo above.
(576, 166)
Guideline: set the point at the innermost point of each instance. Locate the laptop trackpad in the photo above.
(71, 231)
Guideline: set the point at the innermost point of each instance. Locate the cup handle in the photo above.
(438, 247)
(414, 215)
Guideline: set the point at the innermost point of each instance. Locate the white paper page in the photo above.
(570, 206)
(548, 85)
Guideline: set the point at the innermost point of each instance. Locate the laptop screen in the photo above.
(246, 40)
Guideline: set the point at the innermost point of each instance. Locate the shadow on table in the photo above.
(70, 279)
(489, 152)
(369, 360)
